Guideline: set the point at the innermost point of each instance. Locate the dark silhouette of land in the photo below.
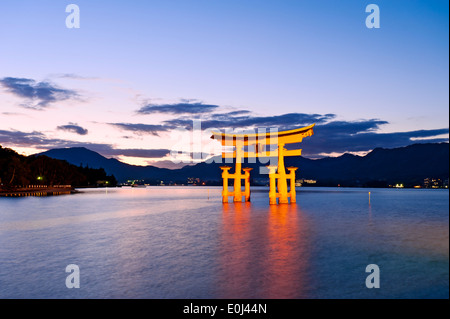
(31, 174)
(408, 165)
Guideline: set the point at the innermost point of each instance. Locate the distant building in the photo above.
(193, 181)
(306, 182)
(101, 183)
(433, 183)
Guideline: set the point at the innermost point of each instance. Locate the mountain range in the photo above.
(408, 165)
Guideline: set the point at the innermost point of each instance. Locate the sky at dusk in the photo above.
(136, 73)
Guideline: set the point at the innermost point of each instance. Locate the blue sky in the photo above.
(272, 63)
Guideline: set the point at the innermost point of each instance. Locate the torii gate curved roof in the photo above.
(283, 137)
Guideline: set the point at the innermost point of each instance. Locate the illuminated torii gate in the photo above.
(259, 142)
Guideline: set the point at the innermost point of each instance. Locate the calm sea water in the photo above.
(182, 242)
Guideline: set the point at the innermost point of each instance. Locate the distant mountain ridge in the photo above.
(408, 165)
(122, 171)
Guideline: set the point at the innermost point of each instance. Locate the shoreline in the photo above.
(37, 191)
(52, 191)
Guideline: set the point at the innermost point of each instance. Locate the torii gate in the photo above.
(259, 142)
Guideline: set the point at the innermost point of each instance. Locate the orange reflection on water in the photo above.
(263, 252)
(287, 255)
(235, 262)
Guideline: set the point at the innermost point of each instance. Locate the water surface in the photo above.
(182, 242)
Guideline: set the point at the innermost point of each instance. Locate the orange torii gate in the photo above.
(258, 142)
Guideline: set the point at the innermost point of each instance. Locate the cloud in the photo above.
(167, 164)
(24, 139)
(14, 114)
(40, 141)
(329, 136)
(185, 107)
(240, 112)
(361, 136)
(74, 128)
(225, 120)
(73, 76)
(38, 95)
(142, 128)
(146, 153)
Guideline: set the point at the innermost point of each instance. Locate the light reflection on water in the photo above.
(182, 242)
(262, 251)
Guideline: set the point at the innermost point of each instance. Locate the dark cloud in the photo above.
(240, 112)
(74, 128)
(38, 94)
(185, 107)
(284, 121)
(329, 137)
(350, 127)
(24, 139)
(341, 137)
(40, 141)
(142, 128)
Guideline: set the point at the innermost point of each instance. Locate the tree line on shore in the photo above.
(18, 170)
